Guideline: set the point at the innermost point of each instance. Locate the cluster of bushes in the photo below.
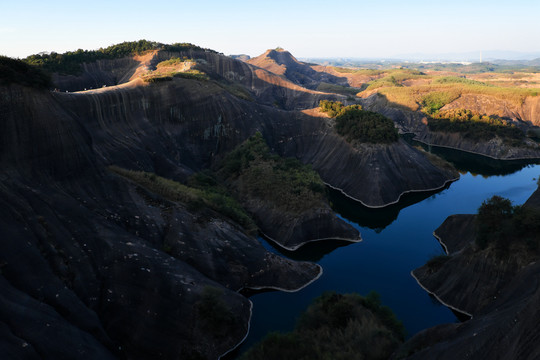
(332, 108)
(13, 71)
(366, 127)
(500, 225)
(476, 127)
(70, 62)
(197, 197)
(336, 108)
(180, 47)
(358, 125)
(469, 115)
(284, 182)
(336, 326)
(387, 81)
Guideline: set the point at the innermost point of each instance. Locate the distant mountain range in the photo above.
(494, 56)
(473, 56)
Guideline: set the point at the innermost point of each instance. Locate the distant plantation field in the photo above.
(414, 97)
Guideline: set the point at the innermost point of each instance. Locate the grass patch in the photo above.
(200, 195)
(174, 61)
(412, 97)
(457, 80)
(395, 78)
(168, 76)
(367, 72)
(434, 101)
(337, 89)
(336, 326)
(287, 184)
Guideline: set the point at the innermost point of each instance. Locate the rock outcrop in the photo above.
(416, 122)
(528, 110)
(93, 265)
(284, 64)
(92, 260)
(501, 294)
(291, 231)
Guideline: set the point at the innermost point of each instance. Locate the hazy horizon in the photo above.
(308, 29)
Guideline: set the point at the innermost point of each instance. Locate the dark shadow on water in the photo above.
(474, 163)
(461, 316)
(375, 218)
(313, 251)
(250, 292)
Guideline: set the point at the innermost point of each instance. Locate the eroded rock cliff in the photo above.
(416, 122)
(501, 293)
(94, 265)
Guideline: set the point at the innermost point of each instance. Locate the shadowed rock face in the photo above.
(377, 174)
(501, 294)
(95, 266)
(83, 258)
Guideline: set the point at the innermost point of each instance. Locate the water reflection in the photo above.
(475, 164)
(376, 218)
(396, 240)
(313, 251)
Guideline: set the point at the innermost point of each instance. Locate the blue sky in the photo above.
(375, 28)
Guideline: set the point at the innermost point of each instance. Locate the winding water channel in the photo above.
(396, 240)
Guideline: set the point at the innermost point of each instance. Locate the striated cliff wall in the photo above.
(131, 273)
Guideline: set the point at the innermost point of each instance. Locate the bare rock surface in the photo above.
(93, 265)
(501, 294)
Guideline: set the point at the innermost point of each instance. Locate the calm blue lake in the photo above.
(395, 241)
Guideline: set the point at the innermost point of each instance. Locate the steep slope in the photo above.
(501, 293)
(528, 110)
(416, 122)
(377, 174)
(208, 121)
(234, 75)
(131, 272)
(98, 242)
(283, 63)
